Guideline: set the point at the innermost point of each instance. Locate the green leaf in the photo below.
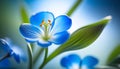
(114, 54)
(77, 3)
(24, 15)
(81, 38)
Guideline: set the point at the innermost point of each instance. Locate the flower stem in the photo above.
(4, 57)
(30, 55)
(69, 13)
(32, 46)
(46, 53)
(37, 55)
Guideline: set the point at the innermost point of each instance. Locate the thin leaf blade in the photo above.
(74, 7)
(115, 53)
(115, 62)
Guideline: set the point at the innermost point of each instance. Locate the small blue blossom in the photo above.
(45, 29)
(9, 50)
(73, 61)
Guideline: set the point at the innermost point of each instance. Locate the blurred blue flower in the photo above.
(45, 29)
(9, 50)
(5, 64)
(73, 61)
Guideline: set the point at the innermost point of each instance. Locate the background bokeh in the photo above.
(89, 11)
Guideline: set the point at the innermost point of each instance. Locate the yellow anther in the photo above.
(42, 23)
(49, 22)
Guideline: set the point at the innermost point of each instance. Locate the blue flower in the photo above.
(5, 64)
(9, 50)
(73, 61)
(45, 29)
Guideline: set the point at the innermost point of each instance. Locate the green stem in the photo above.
(30, 55)
(57, 52)
(69, 13)
(46, 53)
(37, 55)
(32, 46)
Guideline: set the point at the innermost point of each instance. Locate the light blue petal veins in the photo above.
(70, 60)
(43, 43)
(60, 38)
(39, 17)
(62, 23)
(30, 32)
(89, 61)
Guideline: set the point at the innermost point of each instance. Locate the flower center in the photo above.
(46, 26)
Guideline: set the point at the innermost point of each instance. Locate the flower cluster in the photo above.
(73, 61)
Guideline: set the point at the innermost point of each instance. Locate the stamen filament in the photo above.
(46, 28)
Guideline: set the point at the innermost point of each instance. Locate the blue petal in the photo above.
(68, 61)
(18, 54)
(16, 57)
(75, 58)
(39, 17)
(62, 23)
(30, 32)
(43, 43)
(5, 64)
(65, 62)
(4, 46)
(89, 61)
(60, 38)
(30, 40)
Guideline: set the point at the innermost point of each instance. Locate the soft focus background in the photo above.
(89, 11)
